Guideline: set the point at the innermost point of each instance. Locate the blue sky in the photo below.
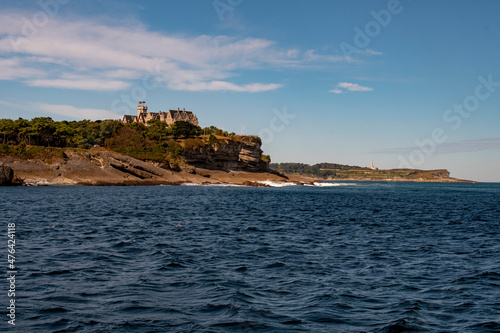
(400, 83)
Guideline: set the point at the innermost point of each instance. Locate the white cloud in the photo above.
(111, 56)
(311, 55)
(73, 112)
(82, 84)
(353, 86)
(336, 91)
(372, 52)
(349, 87)
(223, 85)
(68, 111)
(12, 68)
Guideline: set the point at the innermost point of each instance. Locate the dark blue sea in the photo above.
(358, 257)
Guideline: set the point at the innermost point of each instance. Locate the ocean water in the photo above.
(356, 257)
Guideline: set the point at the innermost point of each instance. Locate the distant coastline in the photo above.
(166, 151)
(222, 166)
(341, 172)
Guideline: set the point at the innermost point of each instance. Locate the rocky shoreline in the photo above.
(106, 168)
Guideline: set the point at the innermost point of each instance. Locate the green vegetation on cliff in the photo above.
(23, 151)
(43, 131)
(340, 171)
(46, 139)
(320, 170)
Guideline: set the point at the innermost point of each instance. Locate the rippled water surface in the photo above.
(364, 257)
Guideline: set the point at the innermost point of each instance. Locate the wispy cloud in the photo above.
(73, 112)
(312, 55)
(82, 84)
(67, 111)
(372, 52)
(473, 145)
(90, 55)
(353, 87)
(13, 68)
(223, 85)
(336, 91)
(346, 86)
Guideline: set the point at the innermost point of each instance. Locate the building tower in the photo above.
(142, 108)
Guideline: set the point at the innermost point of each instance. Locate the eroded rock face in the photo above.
(6, 175)
(96, 167)
(227, 155)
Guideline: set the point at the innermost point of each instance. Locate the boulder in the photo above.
(6, 175)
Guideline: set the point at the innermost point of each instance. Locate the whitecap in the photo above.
(324, 184)
(45, 183)
(273, 183)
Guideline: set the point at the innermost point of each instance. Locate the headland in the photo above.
(159, 148)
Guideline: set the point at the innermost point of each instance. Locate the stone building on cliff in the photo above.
(170, 117)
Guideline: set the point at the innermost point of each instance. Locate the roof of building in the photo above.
(129, 118)
(175, 115)
(180, 113)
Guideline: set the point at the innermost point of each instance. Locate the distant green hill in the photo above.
(336, 171)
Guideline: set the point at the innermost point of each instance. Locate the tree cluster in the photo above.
(43, 131)
(320, 170)
(156, 141)
(212, 130)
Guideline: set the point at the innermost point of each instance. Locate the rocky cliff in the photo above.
(6, 175)
(228, 154)
(100, 167)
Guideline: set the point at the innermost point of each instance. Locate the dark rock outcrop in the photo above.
(6, 175)
(244, 155)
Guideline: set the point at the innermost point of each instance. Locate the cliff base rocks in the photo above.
(95, 167)
(6, 175)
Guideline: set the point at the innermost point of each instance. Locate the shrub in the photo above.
(193, 143)
(213, 139)
(184, 129)
(4, 149)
